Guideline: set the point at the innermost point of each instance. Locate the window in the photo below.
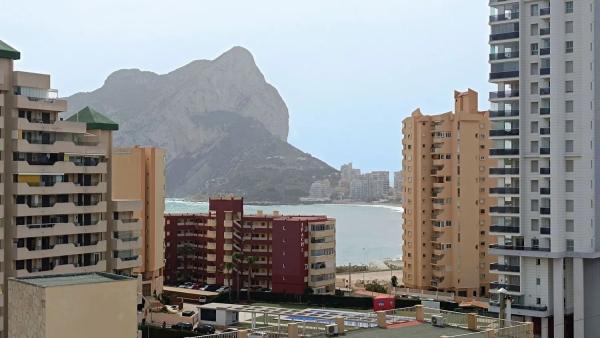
(569, 166)
(534, 147)
(538, 301)
(535, 224)
(569, 186)
(569, 126)
(535, 30)
(569, 67)
(535, 205)
(535, 68)
(570, 225)
(535, 187)
(569, 27)
(569, 146)
(569, 106)
(534, 88)
(569, 47)
(569, 205)
(568, 86)
(535, 10)
(534, 127)
(534, 49)
(538, 261)
(569, 7)
(535, 107)
(570, 245)
(537, 281)
(534, 166)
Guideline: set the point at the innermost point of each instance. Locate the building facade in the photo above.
(445, 199)
(291, 253)
(138, 173)
(545, 129)
(57, 213)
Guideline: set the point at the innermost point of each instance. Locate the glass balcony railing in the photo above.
(504, 171)
(545, 11)
(504, 94)
(504, 36)
(518, 248)
(504, 113)
(545, 111)
(545, 91)
(545, 151)
(544, 171)
(505, 209)
(505, 229)
(504, 55)
(507, 287)
(504, 152)
(545, 51)
(544, 131)
(505, 267)
(504, 75)
(545, 71)
(504, 190)
(504, 17)
(545, 31)
(504, 132)
(545, 191)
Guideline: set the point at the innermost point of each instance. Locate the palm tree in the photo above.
(250, 260)
(237, 259)
(229, 266)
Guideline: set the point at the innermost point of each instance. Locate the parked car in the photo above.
(223, 289)
(183, 326)
(205, 329)
(211, 287)
(188, 313)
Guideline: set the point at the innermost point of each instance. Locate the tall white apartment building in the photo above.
(545, 128)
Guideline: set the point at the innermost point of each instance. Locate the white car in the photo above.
(223, 289)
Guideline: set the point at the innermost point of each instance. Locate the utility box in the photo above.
(384, 302)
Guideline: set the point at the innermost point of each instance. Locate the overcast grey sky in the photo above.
(349, 70)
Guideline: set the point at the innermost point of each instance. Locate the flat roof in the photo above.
(410, 330)
(72, 279)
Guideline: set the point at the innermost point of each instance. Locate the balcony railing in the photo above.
(541, 308)
(507, 287)
(504, 56)
(505, 229)
(544, 171)
(544, 131)
(545, 111)
(545, 211)
(545, 11)
(504, 190)
(545, 230)
(544, 71)
(504, 16)
(545, 31)
(504, 132)
(505, 209)
(504, 36)
(504, 113)
(545, 191)
(505, 267)
(504, 152)
(504, 171)
(504, 75)
(504, 94)
(518, 248)
(545, 151)
(544, 91)
(545, 51)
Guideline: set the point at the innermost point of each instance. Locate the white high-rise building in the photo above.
(545, 127)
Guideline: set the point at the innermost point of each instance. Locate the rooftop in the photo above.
(7, 52)
(94, 119)
(71, 279)
(411, 330)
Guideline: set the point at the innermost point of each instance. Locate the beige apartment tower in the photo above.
(445, 199)
(139, 174)
(57, 213)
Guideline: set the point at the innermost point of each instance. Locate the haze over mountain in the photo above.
(224, 127)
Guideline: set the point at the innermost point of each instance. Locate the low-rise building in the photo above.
(91, 305)
(289, 253)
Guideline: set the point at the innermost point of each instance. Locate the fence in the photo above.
(437, 295)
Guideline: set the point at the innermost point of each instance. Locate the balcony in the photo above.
(130, 262)
(504, 132)
(504, 36)
(545, 211)
(127, 224)
(545, 51)
(545, 151)
(504, 152)
(545, 91)
(544, 11)
(505, 229)
(544, 71)
(131, 243)
(508, 287)
(544, 131)
(504, 113)
(545, 31)
(544, 171)
(56, 250)
(504, 190)
(504, 56)
(535, 308)
(55, 229)
(504, 171)
(504, 210)
(504, 94)
(53, 269)
(545, 111)
(124, 205)
(518, 248)
(545, 191)
(504, 17)
(504, 75)
(545, 230)
(504, 267)
(58, 167)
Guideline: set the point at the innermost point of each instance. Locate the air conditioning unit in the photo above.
(437, 320)
(331, 330)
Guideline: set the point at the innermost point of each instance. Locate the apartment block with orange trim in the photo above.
(445, 199)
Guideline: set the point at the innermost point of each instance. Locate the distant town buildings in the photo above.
(446, 222)
(398, 184)
(91, 305)
(287, 254)
(320, 191)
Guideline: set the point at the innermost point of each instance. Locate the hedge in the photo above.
(159, 332)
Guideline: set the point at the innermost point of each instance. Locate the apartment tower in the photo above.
(445, 199)
(545, 131)
(139, 174)
(57, 214)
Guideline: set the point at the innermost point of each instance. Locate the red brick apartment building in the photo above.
(292, 252)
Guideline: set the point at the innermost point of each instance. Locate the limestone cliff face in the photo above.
(199, 113)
